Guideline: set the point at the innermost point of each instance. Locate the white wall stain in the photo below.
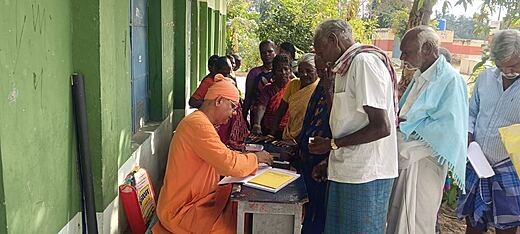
(13, 95)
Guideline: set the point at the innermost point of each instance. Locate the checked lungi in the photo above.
(494, 201)
(358, 208)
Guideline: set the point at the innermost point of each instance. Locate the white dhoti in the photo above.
(417, 192)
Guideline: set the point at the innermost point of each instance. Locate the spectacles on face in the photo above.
(234, 105)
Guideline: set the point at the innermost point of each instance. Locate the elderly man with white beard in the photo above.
(432, 134)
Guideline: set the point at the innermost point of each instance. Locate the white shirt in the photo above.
(366, 83)
(414, 150)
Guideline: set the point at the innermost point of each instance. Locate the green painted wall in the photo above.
(160, 48)
(37, 152)
(44, 42)
(3, 221)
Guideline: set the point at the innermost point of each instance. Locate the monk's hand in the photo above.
(319, 145)
(264, 157)
(319, 172)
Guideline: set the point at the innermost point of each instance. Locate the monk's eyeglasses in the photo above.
(233, 104)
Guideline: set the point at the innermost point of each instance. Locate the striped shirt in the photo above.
(491, 107)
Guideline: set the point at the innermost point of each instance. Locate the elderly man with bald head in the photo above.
(363, 150)
(432, 134)
(495, 103)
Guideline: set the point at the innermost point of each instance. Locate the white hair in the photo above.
(307, 58)
(339, 27)
(426, 35)
(505, 45)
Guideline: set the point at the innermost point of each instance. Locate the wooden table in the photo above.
(287, 201)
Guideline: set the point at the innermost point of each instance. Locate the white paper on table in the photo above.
(478, 161)
(231, 180)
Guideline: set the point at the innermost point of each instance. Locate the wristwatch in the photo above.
(333, 145)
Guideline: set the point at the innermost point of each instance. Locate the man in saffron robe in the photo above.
(191, 201)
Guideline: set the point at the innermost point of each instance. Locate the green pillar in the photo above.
(217, 34)
(223, 31)
(181, 63)
(85, 40)
(160, 57)
(203, 39)
(101, 52)
(211, 32)
(194, 45)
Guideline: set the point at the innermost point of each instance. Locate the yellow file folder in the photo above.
(511, 139)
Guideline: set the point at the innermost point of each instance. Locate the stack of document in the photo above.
(267, 179)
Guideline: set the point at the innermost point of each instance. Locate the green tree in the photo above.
(386, 10)
(287, 20)
(293, 20)
(462, 27)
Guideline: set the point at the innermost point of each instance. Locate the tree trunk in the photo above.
(415, 15)
(427, 11)
(420, 15)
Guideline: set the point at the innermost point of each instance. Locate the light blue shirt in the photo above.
(491, 108)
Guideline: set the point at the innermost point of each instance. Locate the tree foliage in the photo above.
(242, 39)
(293, 20)
(296, 20)
(386, 10)
(398, 22)
(241, 32)
(511, 18)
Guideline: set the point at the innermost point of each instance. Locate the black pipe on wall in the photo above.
(80, 114)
